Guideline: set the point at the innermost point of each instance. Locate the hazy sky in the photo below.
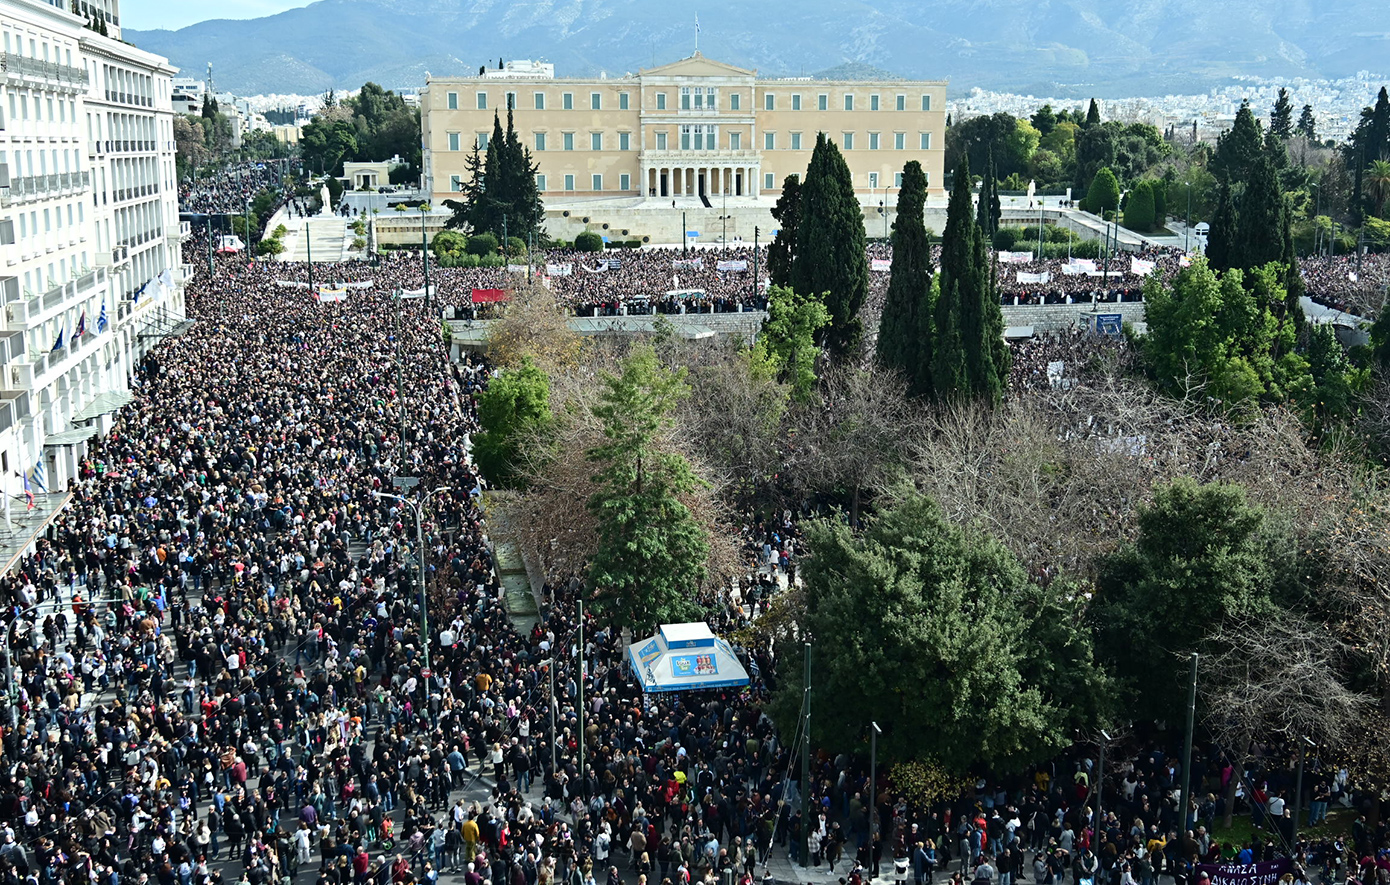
(146, 15)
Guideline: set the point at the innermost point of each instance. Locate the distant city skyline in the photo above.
(147, 15)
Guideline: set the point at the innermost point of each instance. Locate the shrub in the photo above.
(1083, 249)
(359, 243)
(516, 246)
(280, 231)
(1104, 193)
(448, 241)
(270, 246)
(588, 241)
(482, 244)
(1139, 207)
(1006, 237)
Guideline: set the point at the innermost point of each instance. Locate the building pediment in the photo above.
(697, 66)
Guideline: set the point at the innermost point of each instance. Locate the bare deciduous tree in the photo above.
(1275, 679)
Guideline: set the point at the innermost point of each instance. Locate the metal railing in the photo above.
(18, 65)
(35, 186)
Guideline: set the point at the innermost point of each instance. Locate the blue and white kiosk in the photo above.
(685, 657)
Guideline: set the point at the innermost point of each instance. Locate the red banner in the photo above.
(490, 296)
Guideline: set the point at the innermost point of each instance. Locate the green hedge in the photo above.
(588, 241)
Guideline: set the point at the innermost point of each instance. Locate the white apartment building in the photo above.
(89, 232)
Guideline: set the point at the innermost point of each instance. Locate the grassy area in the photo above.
(1242, 829)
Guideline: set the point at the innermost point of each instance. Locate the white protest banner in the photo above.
(741, 264)
(880, 265)
(1140, 268)
(560, 270)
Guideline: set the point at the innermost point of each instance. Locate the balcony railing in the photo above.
(32, 187)
(123, 146)
(33, 68)
(134, 193)
(143, 101)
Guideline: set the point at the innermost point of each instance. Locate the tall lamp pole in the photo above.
(1298, 790)
(1183, 797)
(1100, 790)
(425, 253)
(1187, 225)
(873, 786)
(420, 546)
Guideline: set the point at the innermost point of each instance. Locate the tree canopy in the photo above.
(650, 558)
(943, 640)
(830, 258)
(905, 331)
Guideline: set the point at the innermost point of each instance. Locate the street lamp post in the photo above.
(247, 224)
(420, 546)
(1298, 790)
(685, 239)
(1100, 790)
(1187, 225)
(873, 788)
(425, 253)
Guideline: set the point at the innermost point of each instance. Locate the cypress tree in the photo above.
(782, 250)
(830, 261)
(1292, 277)
(905, 332)
(1092, 115)
(1139, 207)
(1221, 238)
(1308, 124)
(1238, 150)
(969, 355)
(1281, 117)
(988, 211)
(1260, 231)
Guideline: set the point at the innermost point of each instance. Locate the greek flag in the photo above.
(101, 320)
(40, 476)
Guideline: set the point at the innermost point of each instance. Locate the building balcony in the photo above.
(120, 195)
(14, 407)
(47, 73)
(694, 158)
(35, 187)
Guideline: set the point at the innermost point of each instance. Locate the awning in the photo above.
(685, 657)
(71, 437)
(103, 404)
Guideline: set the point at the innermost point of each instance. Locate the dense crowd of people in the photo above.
(227, 191)
(221, 670)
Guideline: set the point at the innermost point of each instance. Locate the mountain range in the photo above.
(1079, 48)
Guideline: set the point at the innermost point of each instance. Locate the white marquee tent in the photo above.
(683, 657)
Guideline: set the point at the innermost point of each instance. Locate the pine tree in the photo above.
(1221, 238)
(905, 332)
(1308, 124)
(782, 250)
(969, 356)
(830, 260)
(1238, 150)
(1281, 117)
(1092, 115)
